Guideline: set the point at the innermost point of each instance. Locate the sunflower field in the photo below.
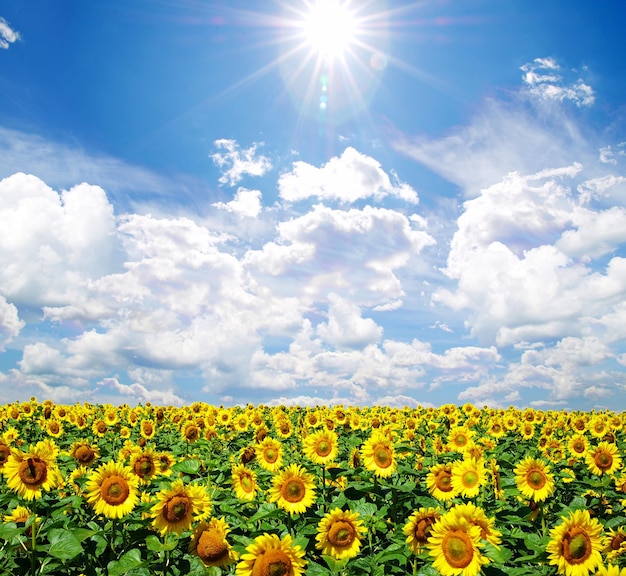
(200, 490)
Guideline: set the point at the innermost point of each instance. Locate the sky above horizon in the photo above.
(320, 202)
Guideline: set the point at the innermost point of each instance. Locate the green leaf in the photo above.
(499, 555)
(127, 562)
(10, 530)
(64, 544)
(188, 466)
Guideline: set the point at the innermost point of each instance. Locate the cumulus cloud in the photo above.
(137, 393)
(10, 323)
(236, 162)
(246, 203)
(546, 83)
(50, 243)
(350, 177)
(7, 35)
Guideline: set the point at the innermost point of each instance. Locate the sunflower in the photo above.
(339, 534)
(575, 544)
(439, 482)
(610, 570)
(178, 506)
(321, 447)
(603, 459)
(84, 453)
(210, 545)
(144, 464)
(164, 462)
(99, 428)
(460, 438)
(475, 515)
(454, 544)
(269, 453)
(269, 555)
(615, 543)
(598, 426)
(418, 527)
(112, 489)
(293, 489)
(54, 428)
(28, 473)
(578, 445)
(147, 429)
(5, 452)
(20, 515)
(284, 428)
(378, 455)
(468, 475)
(534, 479)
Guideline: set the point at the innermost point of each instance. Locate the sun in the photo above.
(329, 28)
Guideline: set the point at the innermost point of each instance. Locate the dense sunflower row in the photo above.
(258, 491)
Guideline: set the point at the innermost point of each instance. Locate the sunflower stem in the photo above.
(166, 557)
(324, 496)
(33, 542)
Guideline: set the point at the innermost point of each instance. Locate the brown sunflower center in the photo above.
(246, 482)
(383, 456)
(293, 490)
(33, 472)
(617, 541)
(114, 490)
(192, 433)
(144, 466)
(270, 454)
(578, 446)
(603, 460)
(576, 546)
(323, 448)
(273, 563)
(211, 546)
(148, 429)
(457, 549)
(101, 427)
(341, 534)
(84, 454)
(536, 479)
(5, 452)
(177, 508)
(422, 529)
(54, 427)
(444, 481)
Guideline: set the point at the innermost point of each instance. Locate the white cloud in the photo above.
(10, 323)
(51, 243)
(550, 85)
(353, 253)
(236, 162)
(138, 393)
(7, 35)
(345, 327)
(245, 203)
(350, 177)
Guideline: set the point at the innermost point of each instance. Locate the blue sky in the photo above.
(415, 203)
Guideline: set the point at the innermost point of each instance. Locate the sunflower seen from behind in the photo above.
(575, 544)
(270, 555)
(339, 534)
(112, 490)
(293, 489)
